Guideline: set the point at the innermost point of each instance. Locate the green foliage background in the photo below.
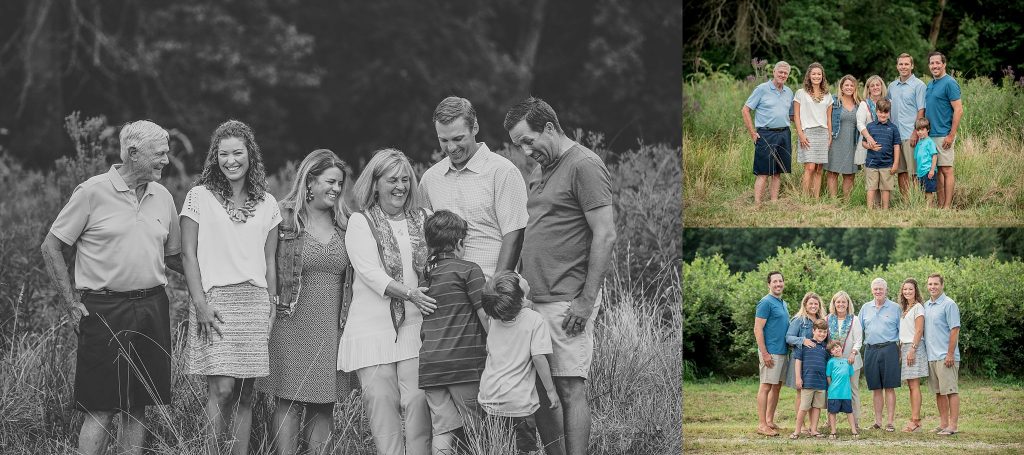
(718, 305)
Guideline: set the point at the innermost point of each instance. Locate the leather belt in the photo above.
(130, 295)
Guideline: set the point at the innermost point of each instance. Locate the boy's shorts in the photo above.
(571, 356)
(945, 156)
(929, 185)
(837, 406)
(943, 380)
(449, 403)
(810, 398)
(879, 179)
(524, 429)
(775, 374)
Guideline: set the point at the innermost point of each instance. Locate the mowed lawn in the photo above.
(721, 417)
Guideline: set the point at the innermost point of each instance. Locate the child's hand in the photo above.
(892, 170)
(553, 398)
(931, 175)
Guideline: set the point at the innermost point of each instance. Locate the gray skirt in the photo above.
(920, 367)
(818, 151)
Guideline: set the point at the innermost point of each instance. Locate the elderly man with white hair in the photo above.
(772, 104)
(125, 228)
(880, 319)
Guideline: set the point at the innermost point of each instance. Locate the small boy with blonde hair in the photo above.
(838, 372)
(924, 154)
(810, 365)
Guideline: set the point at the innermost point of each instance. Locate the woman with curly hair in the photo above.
(812, 114)
(913, 358)
(229, 239)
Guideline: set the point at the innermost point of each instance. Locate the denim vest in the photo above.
(289, 264)
(837, 112)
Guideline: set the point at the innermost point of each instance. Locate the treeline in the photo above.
(742, 250)
(349, 76)
(718, 305)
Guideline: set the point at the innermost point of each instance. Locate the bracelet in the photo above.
(408, 294)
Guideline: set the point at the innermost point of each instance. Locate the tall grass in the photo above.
(718, 158)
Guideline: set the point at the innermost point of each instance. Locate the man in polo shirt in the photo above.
(772, 103)
(568, 246)
(880, 319)
(125, 228)
(907, 95)
(941, 341)
(482, 187)
(771, 321)
(943, 109)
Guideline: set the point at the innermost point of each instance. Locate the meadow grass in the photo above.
(721, 417)
(718, 185)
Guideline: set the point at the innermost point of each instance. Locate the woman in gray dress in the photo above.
(314, 284)
(845, 138)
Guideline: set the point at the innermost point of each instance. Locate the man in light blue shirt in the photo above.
(941, 341)
(907, 95)
(772, 103)
(880, 319)
(771, 320)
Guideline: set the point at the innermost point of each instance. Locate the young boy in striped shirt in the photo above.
(454, 348)
(811, 379)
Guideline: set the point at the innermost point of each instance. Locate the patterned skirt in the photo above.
(818, 151)
(920, 367)
(242, 350)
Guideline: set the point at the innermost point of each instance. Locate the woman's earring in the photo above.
(309, 194)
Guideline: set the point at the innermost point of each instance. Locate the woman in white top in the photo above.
(812, 112)
(844, 325)
(913, 360)
(229, 238)
(874, 91)
(381, 340)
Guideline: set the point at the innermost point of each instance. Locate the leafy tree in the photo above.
(811, 30)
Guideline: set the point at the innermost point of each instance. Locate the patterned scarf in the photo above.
(391, 256)
(838, 332)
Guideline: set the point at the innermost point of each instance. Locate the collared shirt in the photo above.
(772, 107)
(121, 240)
(880, 324)
(489, 193)
(941, 316)
(907, 99)
(939, 96)
(886, 135)
(812, 365)
(773, 310)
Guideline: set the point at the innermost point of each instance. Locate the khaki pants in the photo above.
(389, 390)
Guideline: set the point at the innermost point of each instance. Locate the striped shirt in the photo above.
(454, 346)
(812, 366)
(489, 193)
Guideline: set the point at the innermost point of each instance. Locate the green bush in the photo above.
(708, 323)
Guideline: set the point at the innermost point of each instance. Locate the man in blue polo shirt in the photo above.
(772, 103)
(771, 320)
(907, 95)
(880, 319)
(943, 109)
(941, 341)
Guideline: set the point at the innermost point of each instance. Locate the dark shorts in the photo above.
(124, 353)
(772, 152)
(524, 429)
(837, 406)
(882, 366)
(929, 185)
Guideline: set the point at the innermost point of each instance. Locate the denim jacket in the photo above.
(289, 265)
(800, 328)
(837, 112)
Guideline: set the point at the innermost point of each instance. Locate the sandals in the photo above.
(890, 428)
(947, 432)
(794, 436)
(912, 428)
(856, 435)
(875, 426)
(769, 432)
(818, 435)
(831, 435)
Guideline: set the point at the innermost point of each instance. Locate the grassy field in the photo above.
(718, 185)
(721, 417)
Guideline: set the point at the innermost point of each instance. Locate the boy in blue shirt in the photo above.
(810, 365)
(924, 154)
(840, 395)
(883, 160)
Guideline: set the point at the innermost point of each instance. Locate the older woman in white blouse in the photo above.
(844, 326)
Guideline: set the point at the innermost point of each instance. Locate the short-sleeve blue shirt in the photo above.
(941, 316)
(812, 366)
(939, 97)
(772, 107)
(923, 153)
(880, 325)
(888, 136)
(907, 98)
(840, 371)
(773, 311)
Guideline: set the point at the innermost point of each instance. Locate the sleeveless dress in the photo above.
(840, 155)
(304, 345)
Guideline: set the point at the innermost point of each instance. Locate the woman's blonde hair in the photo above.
(803, 306)
(880, 82)
(315, 164)
(841, 295)
(383, 161)
(839, 88)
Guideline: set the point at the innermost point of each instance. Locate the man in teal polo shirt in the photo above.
(907, 95)
(942, 342)
(943, 109)
(771, 320)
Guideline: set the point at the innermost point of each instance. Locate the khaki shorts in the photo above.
(570, 356)
(943, 380)
(945, 156)
(810, 398)
(907, 161)
(775, 374)
(450, 403)
(879, 179)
